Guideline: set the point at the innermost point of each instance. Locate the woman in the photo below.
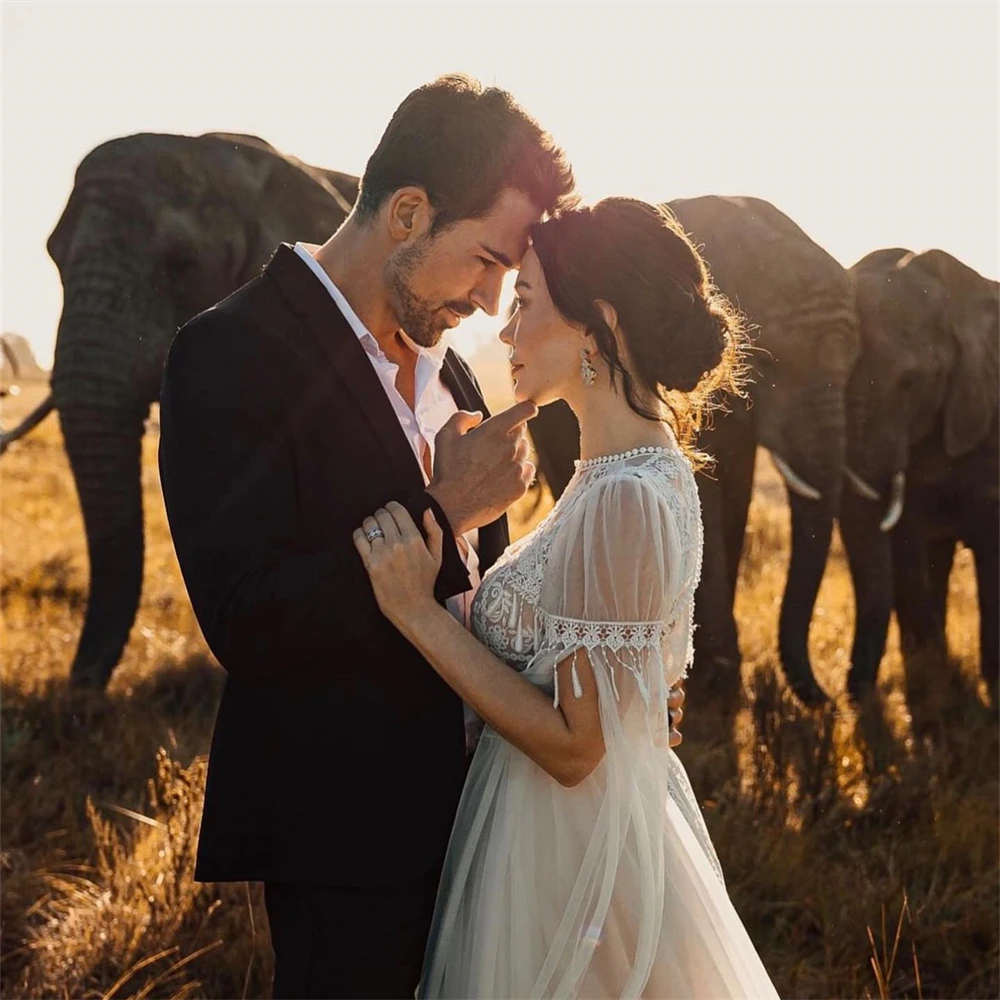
(579, 864)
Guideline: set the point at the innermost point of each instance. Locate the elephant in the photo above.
(157, 228)
(923, 468)
(800, 302)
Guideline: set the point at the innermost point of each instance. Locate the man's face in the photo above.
(435, 281)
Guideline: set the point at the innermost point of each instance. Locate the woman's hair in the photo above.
(684, 341)
(464, 144)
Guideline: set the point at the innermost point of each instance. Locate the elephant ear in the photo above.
(60, 239)
(971, 316)
(285, 200)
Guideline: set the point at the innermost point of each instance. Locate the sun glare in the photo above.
(870, 125)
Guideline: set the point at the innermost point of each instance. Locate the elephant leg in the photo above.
(940, 558)
(920, 618)
(920, 628)
(716, 642)
(736, 467)
(104, 453)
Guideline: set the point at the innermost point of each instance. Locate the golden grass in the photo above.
(825, 823)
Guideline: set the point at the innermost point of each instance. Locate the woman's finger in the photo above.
(676, 697)
(363, 546)
(388, 525)
(368, 526)
(435, 536)
(407, 529)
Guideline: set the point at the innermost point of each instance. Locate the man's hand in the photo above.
(481, 467)
(675, 708)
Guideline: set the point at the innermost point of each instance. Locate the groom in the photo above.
(289, 411)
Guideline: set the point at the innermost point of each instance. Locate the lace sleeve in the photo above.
(613, 585)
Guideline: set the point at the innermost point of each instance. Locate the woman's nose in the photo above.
(508, 333)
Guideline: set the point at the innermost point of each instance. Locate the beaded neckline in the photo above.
(589, 463)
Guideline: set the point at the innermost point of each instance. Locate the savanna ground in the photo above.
(861, 852)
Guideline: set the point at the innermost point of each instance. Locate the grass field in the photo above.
(834, 830)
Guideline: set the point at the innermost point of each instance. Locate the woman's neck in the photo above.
(609, 426)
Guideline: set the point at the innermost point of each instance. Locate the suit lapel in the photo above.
(340, 346)
(461, 387)
(329, 328)
(493, 537)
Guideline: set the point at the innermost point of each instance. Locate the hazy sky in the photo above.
(871, 124)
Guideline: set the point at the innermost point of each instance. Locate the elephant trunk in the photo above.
(103, 446)
(812, 528)
(30, 422)
(811, 466)
(103, 383)
(869, 555)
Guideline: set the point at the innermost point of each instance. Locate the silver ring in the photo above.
(374, 533)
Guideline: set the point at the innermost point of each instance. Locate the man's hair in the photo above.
(463, 144)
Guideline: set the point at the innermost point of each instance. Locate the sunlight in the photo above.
(870, 125)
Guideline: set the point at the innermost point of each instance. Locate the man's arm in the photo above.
(264, 603)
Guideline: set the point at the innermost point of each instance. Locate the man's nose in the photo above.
(487, 293)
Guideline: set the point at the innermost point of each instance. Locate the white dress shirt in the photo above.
(434, 405)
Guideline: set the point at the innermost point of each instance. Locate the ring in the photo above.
(374, 533)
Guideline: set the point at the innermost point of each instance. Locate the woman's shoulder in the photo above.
(641, 473)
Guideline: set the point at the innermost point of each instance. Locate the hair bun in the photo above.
(693, 343)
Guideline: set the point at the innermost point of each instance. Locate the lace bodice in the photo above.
(627, 536)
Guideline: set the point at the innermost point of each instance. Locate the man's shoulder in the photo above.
(249, 304)
(239, 338)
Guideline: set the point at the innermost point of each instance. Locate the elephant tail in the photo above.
(29, 423)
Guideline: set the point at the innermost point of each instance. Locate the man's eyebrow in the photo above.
(501, 257)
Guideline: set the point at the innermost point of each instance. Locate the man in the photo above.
(290, 411)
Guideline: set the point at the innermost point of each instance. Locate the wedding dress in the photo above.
(610, 888)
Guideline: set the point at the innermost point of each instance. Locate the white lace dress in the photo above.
(610, 888)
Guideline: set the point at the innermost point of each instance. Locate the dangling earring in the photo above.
(587, 371)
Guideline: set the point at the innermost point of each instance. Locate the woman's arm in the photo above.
(567, 742)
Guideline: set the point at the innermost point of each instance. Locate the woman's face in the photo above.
(544, 347)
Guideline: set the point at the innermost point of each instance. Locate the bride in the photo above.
(579, 864)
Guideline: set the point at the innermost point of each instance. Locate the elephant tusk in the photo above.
(794, 482)
(31, 421)
(859, 486)
(895, 511)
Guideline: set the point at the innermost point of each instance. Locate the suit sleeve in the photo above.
(265, 603)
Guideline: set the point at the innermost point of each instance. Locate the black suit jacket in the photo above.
(338, 754)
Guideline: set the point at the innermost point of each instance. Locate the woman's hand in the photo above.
(675, 709)
(401, 565)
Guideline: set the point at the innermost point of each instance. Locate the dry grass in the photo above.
(825, 823)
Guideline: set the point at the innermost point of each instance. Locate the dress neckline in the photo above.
(590, 463)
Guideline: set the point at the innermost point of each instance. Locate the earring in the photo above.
(587, 371)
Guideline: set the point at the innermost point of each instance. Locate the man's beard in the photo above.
(421, 321)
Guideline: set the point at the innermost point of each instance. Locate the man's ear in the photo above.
(607, 310)
(409, 214)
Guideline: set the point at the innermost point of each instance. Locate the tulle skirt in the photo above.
(608, 889)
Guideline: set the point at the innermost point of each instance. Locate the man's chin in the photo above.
(427, 336)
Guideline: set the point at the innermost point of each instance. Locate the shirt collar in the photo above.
(435, 355)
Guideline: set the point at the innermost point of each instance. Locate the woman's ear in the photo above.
(607, 310)
(409, 214)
